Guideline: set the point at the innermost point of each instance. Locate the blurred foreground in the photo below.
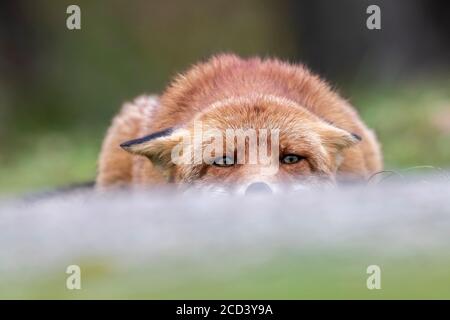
(155, 244)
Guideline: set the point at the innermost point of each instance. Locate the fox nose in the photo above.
(258, 188)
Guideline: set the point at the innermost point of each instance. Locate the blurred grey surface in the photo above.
(392, 218)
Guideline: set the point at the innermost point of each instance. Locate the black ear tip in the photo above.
(125, 145)
(357, 136)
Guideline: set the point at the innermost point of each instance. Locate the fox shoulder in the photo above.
(115, 166)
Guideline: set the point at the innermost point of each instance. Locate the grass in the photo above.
(337, 275)
(49, 160)
(412, 123)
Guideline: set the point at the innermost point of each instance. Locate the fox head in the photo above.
(246, 144)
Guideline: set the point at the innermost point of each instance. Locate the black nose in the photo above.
(258, 188)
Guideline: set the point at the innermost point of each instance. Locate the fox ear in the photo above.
(156, 146)
(338, 139)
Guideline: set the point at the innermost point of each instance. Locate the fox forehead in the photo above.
(254, 98)
(256, 111)
(296, 131)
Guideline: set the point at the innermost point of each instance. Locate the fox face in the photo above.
(255, 143)
(239, 125)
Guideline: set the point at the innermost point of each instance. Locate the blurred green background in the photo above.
(60, 88)
(340, 274)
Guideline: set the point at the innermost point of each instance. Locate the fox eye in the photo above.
(223, 161)
(291, 159)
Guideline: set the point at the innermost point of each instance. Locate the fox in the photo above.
(313, 137)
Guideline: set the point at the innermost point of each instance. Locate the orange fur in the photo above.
(228, 91)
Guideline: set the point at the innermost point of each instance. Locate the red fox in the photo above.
(211, 126)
